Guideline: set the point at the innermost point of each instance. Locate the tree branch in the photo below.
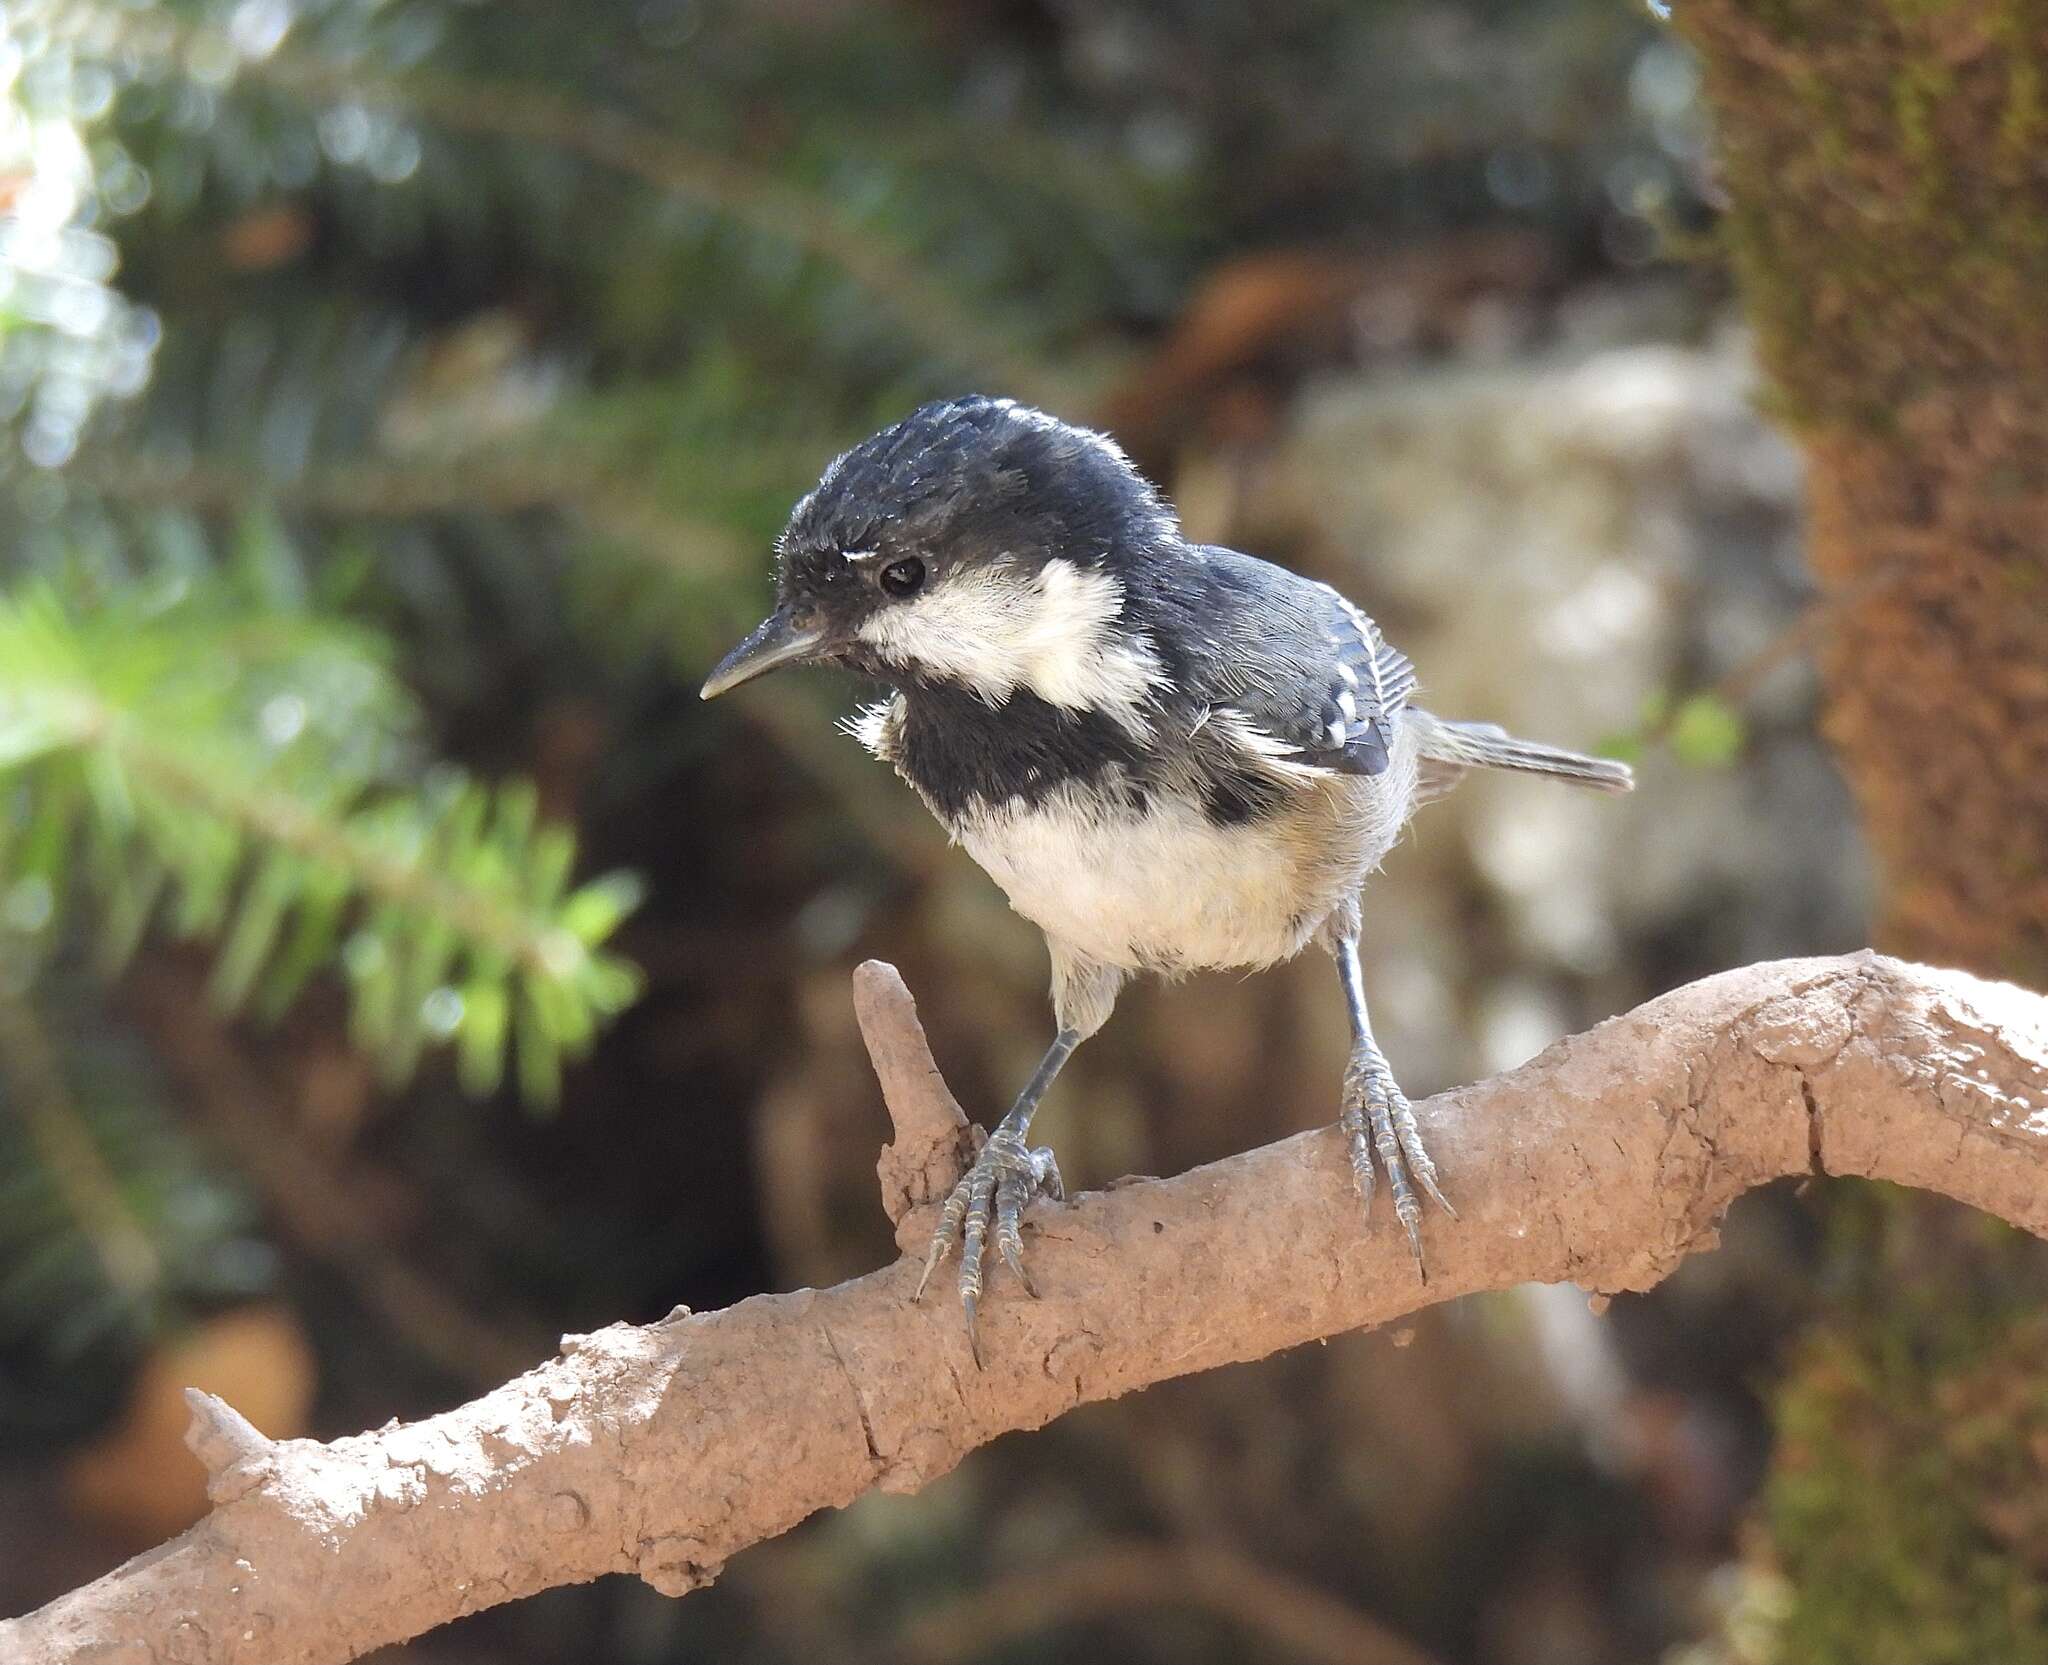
(1109, 1580)
(663, 1450)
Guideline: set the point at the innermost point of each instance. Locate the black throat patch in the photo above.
(961, 753)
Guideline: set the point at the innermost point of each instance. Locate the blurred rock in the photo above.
(1570, 544)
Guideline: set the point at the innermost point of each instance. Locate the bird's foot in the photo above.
(1006, 1177)
(1376, 1115)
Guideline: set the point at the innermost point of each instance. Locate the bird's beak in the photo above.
(776, 640)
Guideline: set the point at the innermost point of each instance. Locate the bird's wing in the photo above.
(1307, 672)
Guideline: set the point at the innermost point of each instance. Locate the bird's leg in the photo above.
(1372, 1099)
(1006, 1176)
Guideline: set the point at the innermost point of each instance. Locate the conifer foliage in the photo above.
(352, 351)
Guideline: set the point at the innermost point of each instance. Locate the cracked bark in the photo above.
(665, 1449)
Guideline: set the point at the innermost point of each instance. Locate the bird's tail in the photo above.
(1450, 748)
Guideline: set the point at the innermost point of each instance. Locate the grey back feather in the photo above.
(1303, 666)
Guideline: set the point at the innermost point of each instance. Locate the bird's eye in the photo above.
(902, 578)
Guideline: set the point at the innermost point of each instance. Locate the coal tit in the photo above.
(1169, 756)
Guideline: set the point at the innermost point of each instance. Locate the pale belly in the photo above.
(1162, 890)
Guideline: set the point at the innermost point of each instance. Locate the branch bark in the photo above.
(663, 1450)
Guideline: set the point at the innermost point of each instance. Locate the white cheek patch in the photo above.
(1074, 657)
(951, 630)
(1054, 634)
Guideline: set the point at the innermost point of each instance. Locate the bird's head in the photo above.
(977, 542)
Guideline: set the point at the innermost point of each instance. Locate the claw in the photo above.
(1419, 1163)
(990, 1200)
(1047, 1171)
(1010, 1200)
(1016, 1264)
(1413, 1225)
(933, 1256)
(1377, 1119)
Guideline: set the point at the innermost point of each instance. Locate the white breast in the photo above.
(1161, 889)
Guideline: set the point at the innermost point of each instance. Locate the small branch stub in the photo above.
(676, 1566)
(934, 1142)
(237, 1458)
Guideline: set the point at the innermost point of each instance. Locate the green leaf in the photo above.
(293, 845)
(320, 906)
(133, 895)
(27, 733)
(267, 568)
(539, 1056)
(597, 908)
(612, 985)
(547, 867)
(266, 903)
(1706, 732)
(480, 1037)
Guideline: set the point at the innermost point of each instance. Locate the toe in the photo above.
(1011, 1246)
(989, 1202)
(1419, 1163)
(950, 1217)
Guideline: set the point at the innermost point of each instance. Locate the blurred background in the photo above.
(400, 967)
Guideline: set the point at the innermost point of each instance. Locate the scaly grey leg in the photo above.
(1373, 1099)
(1006, 1176)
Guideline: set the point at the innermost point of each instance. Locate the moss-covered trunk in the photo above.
(1886, 163)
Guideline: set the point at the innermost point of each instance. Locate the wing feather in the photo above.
(1300, 666)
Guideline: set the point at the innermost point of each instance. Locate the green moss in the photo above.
(1816, 95)
(1882, 1509)
(1920, 85)
(1908, 1501)
(1921, 11)
(2021, 127)
(1888, 223)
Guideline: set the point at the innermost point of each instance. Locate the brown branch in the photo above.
(1303, 1621)
(663, 1450)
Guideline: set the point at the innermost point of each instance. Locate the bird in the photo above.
(1170, 756)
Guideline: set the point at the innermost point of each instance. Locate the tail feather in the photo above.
(1454, 747)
